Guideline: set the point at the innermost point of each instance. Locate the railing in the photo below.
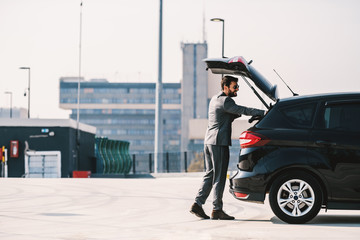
(171, 162)
(112, 157)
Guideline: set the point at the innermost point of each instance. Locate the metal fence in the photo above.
(111, 158)
(171, 162)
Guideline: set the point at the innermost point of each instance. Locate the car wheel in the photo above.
(295, 197)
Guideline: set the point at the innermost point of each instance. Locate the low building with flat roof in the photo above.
(56, 137)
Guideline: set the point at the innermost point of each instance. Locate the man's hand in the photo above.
(257, 117)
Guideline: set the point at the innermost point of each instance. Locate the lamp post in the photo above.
(77, 160)
(10, 93)
(27, 68)
(223, 26)
(158, 165)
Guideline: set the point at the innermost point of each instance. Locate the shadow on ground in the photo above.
(328, 220)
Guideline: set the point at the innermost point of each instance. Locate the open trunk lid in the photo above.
(239, 66)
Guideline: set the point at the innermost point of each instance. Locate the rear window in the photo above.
(295, 116)
(300, 115)
(342, 117)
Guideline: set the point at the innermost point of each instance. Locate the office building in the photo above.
(125, 111)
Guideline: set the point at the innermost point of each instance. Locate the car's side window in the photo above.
(300, 115)
(343, 117)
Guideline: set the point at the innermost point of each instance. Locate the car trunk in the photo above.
(239, 66)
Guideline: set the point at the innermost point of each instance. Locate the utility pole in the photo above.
(78, 97)
(158, 164)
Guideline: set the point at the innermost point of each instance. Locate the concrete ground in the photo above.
(150, 208)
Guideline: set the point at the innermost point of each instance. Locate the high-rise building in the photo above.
(198, 87)
(125, 111)
(194, 98)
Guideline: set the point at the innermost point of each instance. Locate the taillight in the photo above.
(251, 139)
(241, 195)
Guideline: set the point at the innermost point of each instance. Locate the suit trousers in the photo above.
(216, 163)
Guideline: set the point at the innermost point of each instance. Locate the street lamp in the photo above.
(223, 23)
(10, 93)
(27, 68)
(158, 164)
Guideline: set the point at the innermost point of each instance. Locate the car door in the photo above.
(336, 140)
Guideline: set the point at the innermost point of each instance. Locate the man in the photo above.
(222, 112)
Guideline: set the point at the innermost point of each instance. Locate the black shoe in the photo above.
(198, 211)
(220, 214)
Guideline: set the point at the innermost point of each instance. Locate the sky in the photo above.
(312, 44)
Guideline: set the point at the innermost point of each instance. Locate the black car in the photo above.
(305, 152)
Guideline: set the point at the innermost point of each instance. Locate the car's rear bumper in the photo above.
(247, 186)
(247, 196)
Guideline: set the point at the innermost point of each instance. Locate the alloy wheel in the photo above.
(296, 197)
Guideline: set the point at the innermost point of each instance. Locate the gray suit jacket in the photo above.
(222, 112)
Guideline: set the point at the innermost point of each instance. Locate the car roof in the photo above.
(320, 97)
(239, 66)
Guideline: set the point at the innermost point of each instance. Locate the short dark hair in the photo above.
(226, 81)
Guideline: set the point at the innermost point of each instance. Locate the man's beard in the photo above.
(232, 94)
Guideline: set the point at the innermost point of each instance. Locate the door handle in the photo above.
(325, 143)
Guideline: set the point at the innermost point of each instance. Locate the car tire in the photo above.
(295, 197)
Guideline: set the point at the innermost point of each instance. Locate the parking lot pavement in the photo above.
(150, 208)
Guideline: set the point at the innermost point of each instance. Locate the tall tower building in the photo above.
(194, 85)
